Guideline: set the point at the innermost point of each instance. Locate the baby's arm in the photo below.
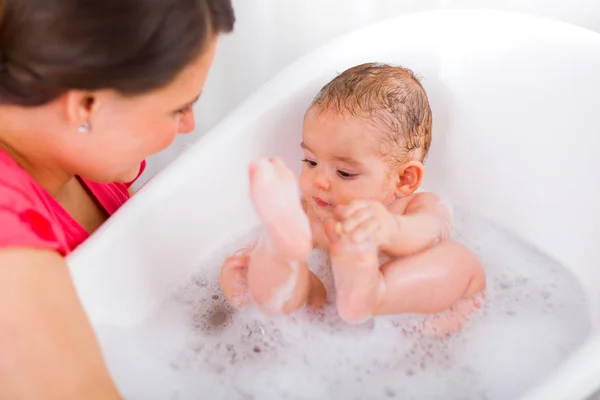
(421, 223)
(407, 227)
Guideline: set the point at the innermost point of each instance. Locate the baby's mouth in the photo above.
(321, 203)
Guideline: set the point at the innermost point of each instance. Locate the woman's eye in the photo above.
(184, 111)
(309, 162)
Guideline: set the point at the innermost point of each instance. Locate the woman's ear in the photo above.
(410, 175)
(80, 107)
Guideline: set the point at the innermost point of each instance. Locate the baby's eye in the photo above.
(310, 163)
(346, 175)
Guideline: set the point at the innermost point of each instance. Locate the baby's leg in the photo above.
(278, 278)
(447, 277)
(358, 280)
(429, 282)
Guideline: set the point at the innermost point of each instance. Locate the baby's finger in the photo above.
(365, 230)
(332, 230)
(355, 219)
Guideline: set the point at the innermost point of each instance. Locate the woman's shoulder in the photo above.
(24, 216)
(16, 187)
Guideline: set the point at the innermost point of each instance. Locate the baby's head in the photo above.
(365, 136)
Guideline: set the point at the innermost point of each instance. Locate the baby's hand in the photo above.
(364, 219)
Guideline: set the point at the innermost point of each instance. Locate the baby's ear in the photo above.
(410, 175)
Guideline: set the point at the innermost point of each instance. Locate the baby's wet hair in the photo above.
(391, 97)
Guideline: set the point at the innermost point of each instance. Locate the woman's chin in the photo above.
(127, 176)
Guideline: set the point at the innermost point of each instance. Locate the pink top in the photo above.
(30, 217)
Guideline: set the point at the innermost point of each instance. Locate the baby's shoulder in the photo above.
(419, 199)
(424, 197)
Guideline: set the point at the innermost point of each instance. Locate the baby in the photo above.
(364, 138)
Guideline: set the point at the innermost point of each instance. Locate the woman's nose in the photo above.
(187, 123)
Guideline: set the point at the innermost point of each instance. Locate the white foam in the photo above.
(196, 346)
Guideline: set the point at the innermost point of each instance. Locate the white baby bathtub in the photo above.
(515, 100)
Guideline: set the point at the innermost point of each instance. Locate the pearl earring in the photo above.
(84, 128)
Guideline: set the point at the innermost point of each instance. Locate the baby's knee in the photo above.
(461, 258)
(478, 282)
(474, 267)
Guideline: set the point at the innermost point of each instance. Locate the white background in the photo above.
(270, 34)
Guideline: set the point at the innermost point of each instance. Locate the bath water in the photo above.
(197, 347)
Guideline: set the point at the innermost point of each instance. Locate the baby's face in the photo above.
(342, 162)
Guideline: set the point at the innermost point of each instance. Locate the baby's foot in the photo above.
(234, 280)
(358, 281)
(452, 320)
(274, 191)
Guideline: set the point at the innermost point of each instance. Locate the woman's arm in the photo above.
(47, 345)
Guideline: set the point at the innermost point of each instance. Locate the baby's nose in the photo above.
(321, 181)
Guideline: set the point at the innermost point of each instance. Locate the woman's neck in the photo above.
(31, 155)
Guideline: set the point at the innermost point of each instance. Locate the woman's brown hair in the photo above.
(133, 46)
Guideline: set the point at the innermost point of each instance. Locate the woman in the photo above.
(88, 90)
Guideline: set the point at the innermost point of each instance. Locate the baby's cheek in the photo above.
(348, 195)
(304, 185)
